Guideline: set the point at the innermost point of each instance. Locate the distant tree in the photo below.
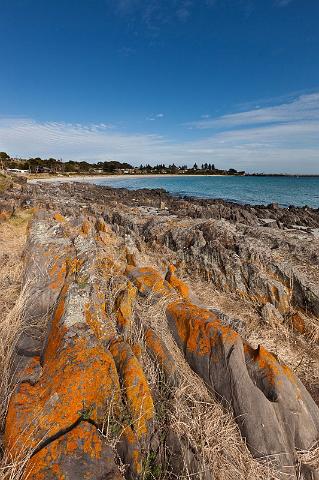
(4, 156)
(195, 167)
(4, 159)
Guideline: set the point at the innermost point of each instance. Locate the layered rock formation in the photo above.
(114, 339)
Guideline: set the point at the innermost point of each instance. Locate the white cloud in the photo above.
(284, 138)
(282, 3)
(154, 117)
(305, 107)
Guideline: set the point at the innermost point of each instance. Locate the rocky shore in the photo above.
(162, 337)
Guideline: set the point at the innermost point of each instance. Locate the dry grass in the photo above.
(12, 241)
(4, 182)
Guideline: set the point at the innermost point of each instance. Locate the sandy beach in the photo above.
(90, 178)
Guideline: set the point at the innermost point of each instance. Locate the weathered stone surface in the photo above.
(28, 345)
(148, 280)
(271, 315)
(275, 413)
(234, 252)
(29, 371)
(181, 287)
(183, 460)
(79, 379)
(124, 308)
(129, 450)
(76, 455)
(47, 261)
(158, 351)
(135, 387)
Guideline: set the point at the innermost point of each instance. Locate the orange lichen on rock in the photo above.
(124, 307)
(130, 259)
(86, 227)
(298, 322)
(161, 354)
(148, 280)
(181, 287)
(57, 274)
(100, 225)
(136, 389)
(58, 217)
(79, 379)
(98, 321)
(137, 350)
(198, 329)
(81, 453)
(4, 216)
(269, 367)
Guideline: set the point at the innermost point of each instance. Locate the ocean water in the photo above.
(285, 191)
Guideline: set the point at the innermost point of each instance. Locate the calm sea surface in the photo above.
(286, 191)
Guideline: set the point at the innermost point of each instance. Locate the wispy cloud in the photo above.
(282, 3)
(305, 107)
(155, 13)
(155, 117)
(284, 138)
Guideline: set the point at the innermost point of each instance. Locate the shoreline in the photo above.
(92, 178)
(120, 181)
(86, 178)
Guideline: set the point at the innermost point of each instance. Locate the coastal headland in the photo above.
(151, 336)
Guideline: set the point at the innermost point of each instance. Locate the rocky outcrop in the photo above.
(75, 381)
(79, 453)
(263, 267)
(96, 377)
(275, 413)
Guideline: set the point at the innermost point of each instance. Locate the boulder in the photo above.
(274, 411)
(123, 307)
(149, 281)
(136, 389)
(78, 454)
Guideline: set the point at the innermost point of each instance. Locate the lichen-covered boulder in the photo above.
(181, 287)
(275, 413)
(48, 255)
(123, 307)
(80, 454)
(135, 388)
(160, 353)
(78, 380)
(149, 281)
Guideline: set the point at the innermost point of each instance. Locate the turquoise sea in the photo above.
(299, 191)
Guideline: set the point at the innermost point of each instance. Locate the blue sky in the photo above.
(231, 82)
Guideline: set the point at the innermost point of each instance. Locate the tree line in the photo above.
(53, 165)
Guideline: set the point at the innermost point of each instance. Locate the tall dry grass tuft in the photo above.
(12, 241)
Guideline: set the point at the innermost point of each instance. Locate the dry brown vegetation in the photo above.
(4, 182)
(12, 241)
